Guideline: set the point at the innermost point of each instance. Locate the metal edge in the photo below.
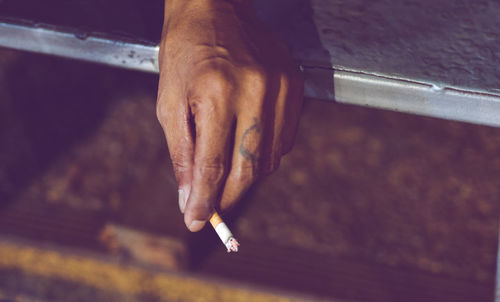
(80, 46)
(342, 85)
(417, 98)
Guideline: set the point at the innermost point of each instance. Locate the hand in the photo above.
(229, 101)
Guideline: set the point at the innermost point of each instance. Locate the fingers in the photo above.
(260, 142)
(291, 109)
(246, 161)
(268, 115)
(248, 144)
(214, 125)
(174, 116)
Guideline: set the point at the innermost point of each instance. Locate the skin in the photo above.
(229, 102)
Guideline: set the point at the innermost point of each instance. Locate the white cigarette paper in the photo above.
(224, 233)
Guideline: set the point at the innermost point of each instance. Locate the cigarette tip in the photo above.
(232, 245)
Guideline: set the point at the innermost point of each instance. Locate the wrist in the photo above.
(174, 7)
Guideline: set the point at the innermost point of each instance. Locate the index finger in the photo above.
(213, 130)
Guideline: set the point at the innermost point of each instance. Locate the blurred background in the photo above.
(370, 205)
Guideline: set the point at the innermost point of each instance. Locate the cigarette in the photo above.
(224, 233)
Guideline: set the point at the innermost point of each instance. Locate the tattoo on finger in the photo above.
(250, 155)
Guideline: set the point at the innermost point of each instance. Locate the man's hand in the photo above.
(229, 102)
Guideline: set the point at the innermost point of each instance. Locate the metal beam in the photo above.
(417, 98)
(346, 86)
(80, 46)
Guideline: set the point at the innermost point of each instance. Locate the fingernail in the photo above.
(196, 225)
(182, 200)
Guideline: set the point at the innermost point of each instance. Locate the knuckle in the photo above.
(256, 76)
(208, 105)
(214, 73)
(212, 172)
(217, 78)
(245, 174)
(161, 113)
(213, 79)
(180, 169)
(256, 72)
(180, 162)
(255, 82)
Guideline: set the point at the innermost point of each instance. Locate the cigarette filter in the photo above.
(224, 233)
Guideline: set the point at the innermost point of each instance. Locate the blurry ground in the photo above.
(364, 187)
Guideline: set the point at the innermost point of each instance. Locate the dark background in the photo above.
(370, 204)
